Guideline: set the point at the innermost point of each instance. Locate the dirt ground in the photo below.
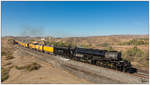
(47, 74)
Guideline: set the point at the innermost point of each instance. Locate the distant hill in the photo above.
(95, 40)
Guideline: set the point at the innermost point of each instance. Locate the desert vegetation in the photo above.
(137, 55)
(29, 67)
(140, 41)
(4, 74)
(103, 44)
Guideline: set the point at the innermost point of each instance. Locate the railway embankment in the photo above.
(90, 72)
(27, 68)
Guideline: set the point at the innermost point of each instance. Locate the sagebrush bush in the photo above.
(8, 57)
(3, 53)
(137, 55)
(104, 44)
(135, 52)
(109, 48)
(141, 41)
(4, 74)
(30, 67)
(33, 66)
(59, 44)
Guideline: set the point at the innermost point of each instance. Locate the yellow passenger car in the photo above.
(23, 44)
(30, 45)
(26, 45)
(40, 48)
(33, 46)
(36, 47)
(48, 49)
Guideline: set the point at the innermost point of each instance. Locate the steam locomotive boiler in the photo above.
(104, 58)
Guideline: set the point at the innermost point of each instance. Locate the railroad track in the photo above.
(142, 75)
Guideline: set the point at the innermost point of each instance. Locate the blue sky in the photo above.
(67, 19)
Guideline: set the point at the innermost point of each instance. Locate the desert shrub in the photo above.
(20, 67)
(33, 66)
(11, 41)
(103, 44)
(61, 44)
(8, 57)
(109, 48)
(3, 53)
(30, 67)
(141, 41)
(7, 53)
(84, 46)
(4, 74)
(137, 55)
(147, 55)
(135, 52)
(9, 63)
(145, 59)
(90, 45)
(56, 43)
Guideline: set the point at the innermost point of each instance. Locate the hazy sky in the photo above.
(65, 19)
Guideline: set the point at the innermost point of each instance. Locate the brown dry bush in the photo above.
(7, 52)
(103, 44)
(9, 57)
(30, 67)
(137, 55)
(4, 74)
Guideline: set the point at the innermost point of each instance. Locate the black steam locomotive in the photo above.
(104, 58)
